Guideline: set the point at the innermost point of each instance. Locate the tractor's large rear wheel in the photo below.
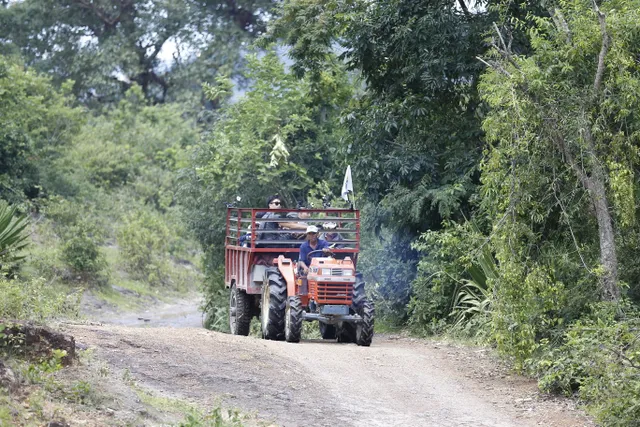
(293, 320)
(274, 304)
(364, 329)
(239, 311)
(328, 332)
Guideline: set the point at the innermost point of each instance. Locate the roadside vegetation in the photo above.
(494, 148)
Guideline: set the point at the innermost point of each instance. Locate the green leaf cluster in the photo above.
(35, 300)
(143, 240)
(36, 121)
(599, 361)
(165, 47)
(13, 236)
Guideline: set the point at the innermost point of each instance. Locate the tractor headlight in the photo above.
(336, 272)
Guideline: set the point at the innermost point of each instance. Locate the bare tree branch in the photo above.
(496, 66)
(566, 152)
(606, 42)
(561, 23)
(464, 7)
(504, 45)
(505, 49)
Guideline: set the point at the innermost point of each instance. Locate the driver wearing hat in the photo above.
(311, 244)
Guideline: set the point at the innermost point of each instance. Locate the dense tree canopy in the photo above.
(416, 128)
(564, 128)
(106, 46)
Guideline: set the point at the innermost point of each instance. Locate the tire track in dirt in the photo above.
(394, 382)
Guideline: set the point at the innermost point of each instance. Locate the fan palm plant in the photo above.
(12, 234)
(474, 296)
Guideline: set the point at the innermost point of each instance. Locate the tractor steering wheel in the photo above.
(313, 252)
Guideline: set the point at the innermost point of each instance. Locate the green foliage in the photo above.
(97, 191)
(144, 239)
(415, 129)
(473, 299)
(40, 371)
(527, 309)
(135, 145)
(599, 360)
(81, 251)
(448, 257)
(81, 234)
(106, 48)
(35, 122)
(557, 134)
(35, 300)
(13, 237)
(275, 136)
(215, 418)
(81, 392)
(216, 310)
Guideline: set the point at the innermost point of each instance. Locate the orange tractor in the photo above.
(262, 273)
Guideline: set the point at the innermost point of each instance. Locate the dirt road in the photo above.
(398, 381)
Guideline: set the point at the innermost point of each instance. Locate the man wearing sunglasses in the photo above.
(274, 202)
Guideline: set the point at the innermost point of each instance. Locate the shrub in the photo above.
(35, 300)
(449, 258)
(81, 252)
(144, 240)
(82, 235)
(107, 165)
(35, 122)
(600, 360)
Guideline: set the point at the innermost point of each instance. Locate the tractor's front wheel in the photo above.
(274, 302)
(364, 329)
(359, 295)
(293, 320)
(328, 332)
(239, 311)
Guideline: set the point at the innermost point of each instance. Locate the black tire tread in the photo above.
(295, 320)
(243, 312)
(358, 296)
(277, 305)
(364, 330)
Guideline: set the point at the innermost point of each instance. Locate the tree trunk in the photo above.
(608, 257)
(595, 186)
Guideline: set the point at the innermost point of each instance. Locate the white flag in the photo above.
(347, 185)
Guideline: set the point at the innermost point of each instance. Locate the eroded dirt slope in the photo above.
(396, 382)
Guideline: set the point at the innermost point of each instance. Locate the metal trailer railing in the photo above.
(250, 242)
